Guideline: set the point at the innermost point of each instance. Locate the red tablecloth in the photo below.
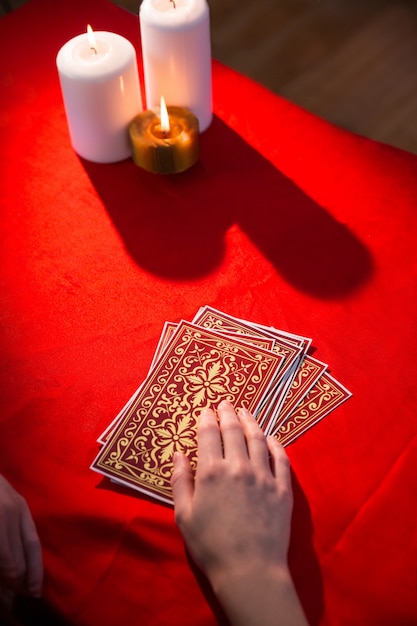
(287, 221)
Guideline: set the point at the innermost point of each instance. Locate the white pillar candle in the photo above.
(177, 55)
(100, 87)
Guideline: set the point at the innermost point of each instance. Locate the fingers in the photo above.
(255, 439)
(234, 436)
(264, 452)
(242, 436)
(280, 463)
(234, 443)
(33, 553)
(208, 437)
(182, 483)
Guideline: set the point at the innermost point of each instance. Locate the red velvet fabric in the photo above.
(286, 220)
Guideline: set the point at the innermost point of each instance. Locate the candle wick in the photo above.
(173, 3)
(93, 49)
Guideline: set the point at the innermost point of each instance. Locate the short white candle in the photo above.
(100, 87)
(177, 55)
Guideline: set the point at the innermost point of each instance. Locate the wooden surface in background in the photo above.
(353, 62)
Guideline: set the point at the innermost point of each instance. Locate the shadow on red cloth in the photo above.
(304, 566)
(33, 612)
(174, 226)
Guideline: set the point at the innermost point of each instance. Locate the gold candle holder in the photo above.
(167, 143)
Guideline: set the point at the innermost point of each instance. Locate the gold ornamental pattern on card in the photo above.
(326, 394)
(198, 369)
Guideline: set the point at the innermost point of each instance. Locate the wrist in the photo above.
(259, 595)
(225, 578)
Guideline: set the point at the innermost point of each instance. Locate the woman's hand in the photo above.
(235, 517)
(21, 568)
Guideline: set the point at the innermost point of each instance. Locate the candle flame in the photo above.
(165, 127)
(91, 39)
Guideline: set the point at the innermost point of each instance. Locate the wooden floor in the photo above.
(353, 62)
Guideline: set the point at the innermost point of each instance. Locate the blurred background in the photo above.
(352, 62)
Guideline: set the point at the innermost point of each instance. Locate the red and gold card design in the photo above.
(196, 365)
(306, 376)
(290, 347)
(167, 332)
(326, 395)
(213, 318)
(197, 369)
(166, 335)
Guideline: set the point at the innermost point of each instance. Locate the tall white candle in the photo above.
(177, 55)
(100, 87)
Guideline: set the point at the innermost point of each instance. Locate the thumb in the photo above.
(182, 483)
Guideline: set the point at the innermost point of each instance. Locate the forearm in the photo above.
(260, 598)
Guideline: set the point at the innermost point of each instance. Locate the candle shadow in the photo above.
(174, 226)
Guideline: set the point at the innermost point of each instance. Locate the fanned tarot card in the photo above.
(291, 347)
(197, 369)
(306, 376)
(326, 395)
(167, 332)
(291, 351)
(209, 317)
(195, 366)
